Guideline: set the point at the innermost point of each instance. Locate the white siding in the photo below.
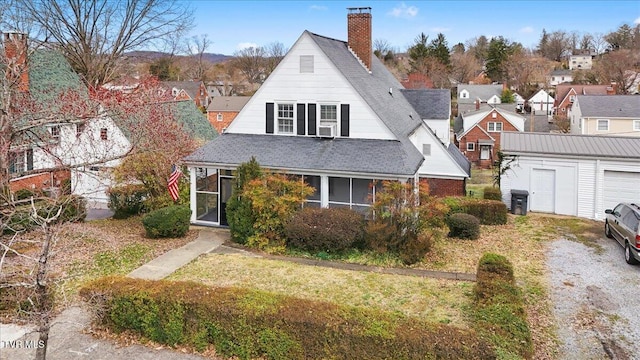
(439, 163)
(579, 182)
(325, 85)
(441, 128)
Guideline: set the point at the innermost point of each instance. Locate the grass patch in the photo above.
(438, 301)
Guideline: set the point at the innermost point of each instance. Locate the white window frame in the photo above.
(493, 126)
(636, 125)
(471, 146)
(219, 117)
(324, 121)
(603, 121)
(352, 202)
(282, 121)
(55, 131)
(80, 128)
(494, 115)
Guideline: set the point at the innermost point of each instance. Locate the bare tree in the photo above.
(620, 67)
(465, 66)
(274, 53)
(95, 34)
(251, 63)
(381, 47)
(197, 46)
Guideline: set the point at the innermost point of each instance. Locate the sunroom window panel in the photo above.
(314, 182)
(362, 191)
(207, 207)
(206, 180)
(339, 190)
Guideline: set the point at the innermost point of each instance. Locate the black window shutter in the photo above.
(270, 118)
(311, 111)
(344, 120)
(30, 159)
(301, 122)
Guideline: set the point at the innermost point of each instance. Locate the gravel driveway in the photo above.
(596, 297)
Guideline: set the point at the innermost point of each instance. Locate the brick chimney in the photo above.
(359, 34)
(15, 51)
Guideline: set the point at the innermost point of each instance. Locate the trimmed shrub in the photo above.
(126, 201)
(498, 308)
(463, 226)
(329, 230)
(492, 193)
(489, 212)
(23, 194)
(249, 324)
(75, 208)
(172, 221)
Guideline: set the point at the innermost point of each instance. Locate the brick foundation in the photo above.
(39, 181)
(446, 187)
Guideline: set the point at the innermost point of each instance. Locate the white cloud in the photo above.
(526, 30)
(440, 29)
(403, 11)
(637, 21)
(317, 7)
(246, 45)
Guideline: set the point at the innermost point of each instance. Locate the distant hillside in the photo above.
(153, 55)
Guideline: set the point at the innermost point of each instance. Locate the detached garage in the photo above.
(579, 175)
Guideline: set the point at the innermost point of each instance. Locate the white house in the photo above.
(334, 115)
(580, 62)
(576, 175)
(541, 103)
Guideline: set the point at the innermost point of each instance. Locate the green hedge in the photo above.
(498, 309)
(172, 221)
(127, 201)
(492, 193)
(463, 226)
(329, 230)
(74, 209)
(247, 324)
(489, 212)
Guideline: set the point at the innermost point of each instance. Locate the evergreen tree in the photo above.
(239, 212)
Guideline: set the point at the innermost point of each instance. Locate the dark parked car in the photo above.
(623, 224)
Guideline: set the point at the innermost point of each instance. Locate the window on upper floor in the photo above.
(80, 128)
(603, 124)
(572, 98)
(306, 63)
(219, 117)
(494, 115)
(55, 131)
(426, 149)
(104, 134)
(471, 146)
(285, 118)
(464, 94)
(636, 125)
(20, 161)
(494, 126)
(328, 114)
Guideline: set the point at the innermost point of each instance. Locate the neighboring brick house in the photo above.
(223, 109)
(417, 81)
(566, 95)
(478, 133)
(195, 91)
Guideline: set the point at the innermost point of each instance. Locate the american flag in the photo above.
(173, 182)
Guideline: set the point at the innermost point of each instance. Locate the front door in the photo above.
(225, 194)
(485, 150)
(543, 185)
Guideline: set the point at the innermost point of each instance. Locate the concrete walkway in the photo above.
(164, 265)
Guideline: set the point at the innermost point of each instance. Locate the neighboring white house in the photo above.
(471, 96)
(576, 175)
(582, 62)
(434, 107)
(559, 77)
(615, 115)
(541, 103)
(332, 113)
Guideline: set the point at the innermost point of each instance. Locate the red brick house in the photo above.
(566, 95)
(478, 133)
(195, 91)
(223, 109)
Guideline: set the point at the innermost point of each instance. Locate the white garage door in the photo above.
(621, 186)
(543, 185)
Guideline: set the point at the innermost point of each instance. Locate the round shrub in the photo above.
(492, 193)
(463, 226)
(172, 221)
(23, 194)
(126, 201)
(330, 230)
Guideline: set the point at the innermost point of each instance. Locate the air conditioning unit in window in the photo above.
(327, 131)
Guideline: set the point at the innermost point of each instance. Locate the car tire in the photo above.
(607, 230)
(628, 256)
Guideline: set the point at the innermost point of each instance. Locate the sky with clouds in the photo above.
(232, 25)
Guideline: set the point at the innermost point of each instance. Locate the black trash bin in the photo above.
(519, 200)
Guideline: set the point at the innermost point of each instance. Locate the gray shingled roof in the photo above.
(392, 108)
(571, 145)
(429, 103)
(228, 103)
(191, 87)
(611, 106)
(482, 92)
(459, 157)
(311, 153)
